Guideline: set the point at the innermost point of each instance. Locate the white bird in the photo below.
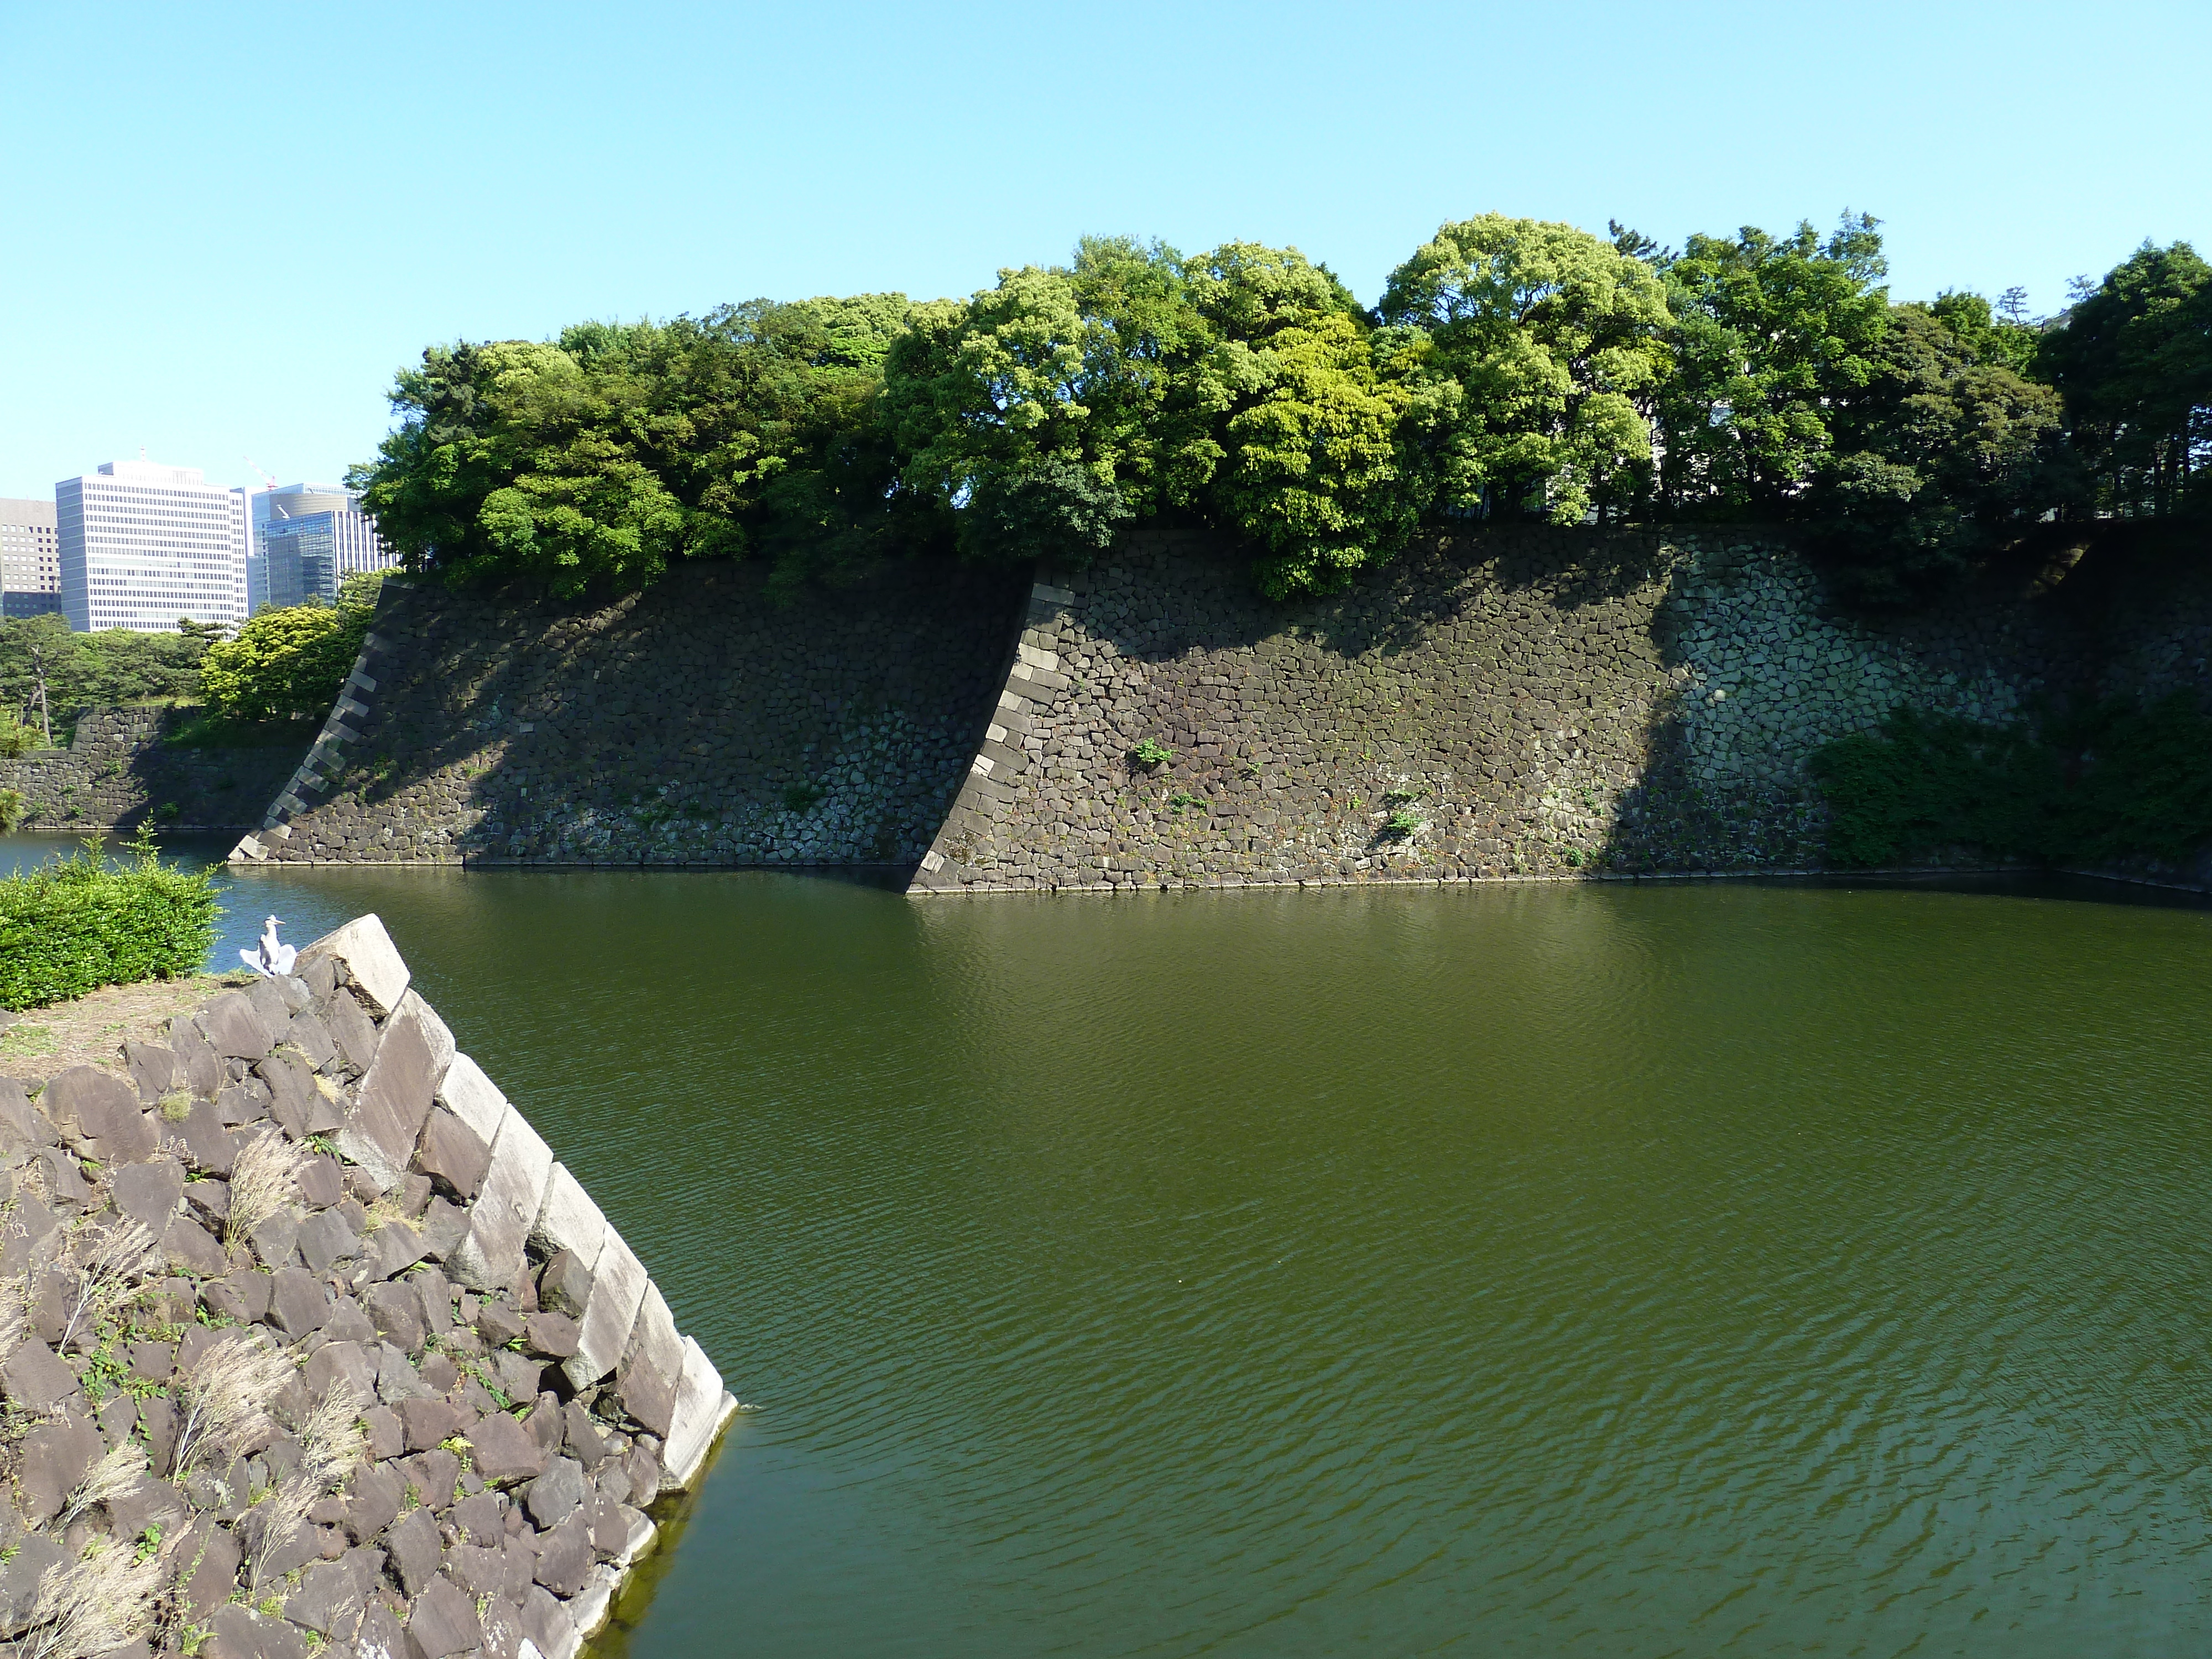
(269, 958)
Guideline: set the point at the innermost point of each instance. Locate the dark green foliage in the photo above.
(75, 924)
(80, 669)
(2112, 781)
(1939, 457)
(2135, 362)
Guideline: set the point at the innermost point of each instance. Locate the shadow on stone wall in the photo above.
(122, 769)
(698, 722)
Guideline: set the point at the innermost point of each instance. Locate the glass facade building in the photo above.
(309, 538)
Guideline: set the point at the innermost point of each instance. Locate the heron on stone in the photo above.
(269, 958)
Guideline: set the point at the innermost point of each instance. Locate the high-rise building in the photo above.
(308, 538)
(30, 558)
(142, 544)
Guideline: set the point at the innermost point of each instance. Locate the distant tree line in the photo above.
(1512, 369)
(282, 665)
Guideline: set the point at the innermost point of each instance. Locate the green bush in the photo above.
(2112, 781)
(290, 664)
(14, 805)
(1151, 752)
(75, 924)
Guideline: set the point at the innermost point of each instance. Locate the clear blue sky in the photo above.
(229, 224)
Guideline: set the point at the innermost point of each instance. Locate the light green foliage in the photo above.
(2134, 362)
(286, 664)
(74, 924)
(1552, 342)
(14, 804)
(1310, 422)
(1151, 752)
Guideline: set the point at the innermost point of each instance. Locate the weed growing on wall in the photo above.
(2113, 781)
(77, 923)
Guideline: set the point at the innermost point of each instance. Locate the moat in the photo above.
(1581, 1270)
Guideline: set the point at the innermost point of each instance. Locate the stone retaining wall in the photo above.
(473, 1390)
(1512, 703)
(119, 770)
(699, 722)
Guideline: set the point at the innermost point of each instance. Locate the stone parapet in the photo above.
(316, 1344)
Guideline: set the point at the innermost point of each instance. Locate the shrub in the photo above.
(75, 924)
(1401, 824)
(290, 664)
(2115, 779)
(283, 665)
(14, 805)
(1151, 752)
(17, 739)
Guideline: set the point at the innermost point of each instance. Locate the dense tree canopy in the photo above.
(1512, 368)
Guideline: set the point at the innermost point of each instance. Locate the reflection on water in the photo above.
(1584, 1271)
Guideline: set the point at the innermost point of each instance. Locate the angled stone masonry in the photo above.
(326, 759)
(1033, 684)
(453, 1388)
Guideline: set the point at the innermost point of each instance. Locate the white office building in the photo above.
(30, 558)
(308, 538)
(142, 544)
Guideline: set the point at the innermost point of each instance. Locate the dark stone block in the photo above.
(504, 1451)
(298, 1303)
(444, 1622)
(324, 1238)
(564, 1557)
(232, 1029)
(187, 1245)
(452, 1154)
(550, 1333)
(415, 1551)
(554, 1496)
(149, 1192)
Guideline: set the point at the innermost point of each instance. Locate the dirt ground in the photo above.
(44, 1041)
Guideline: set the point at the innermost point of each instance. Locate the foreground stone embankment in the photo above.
(309, 1345)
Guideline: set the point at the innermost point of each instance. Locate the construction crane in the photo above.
(267, 478)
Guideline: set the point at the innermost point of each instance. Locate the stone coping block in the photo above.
(503, 1441)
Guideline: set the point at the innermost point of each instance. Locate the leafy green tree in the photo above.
(2002, 339)
(598, 458)
(47, 673)
(1555, 341)
(1940, 457)
(2134, 360)
(1771, 332)
(1316, 437)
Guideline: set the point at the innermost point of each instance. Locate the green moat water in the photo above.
(1711, 1269)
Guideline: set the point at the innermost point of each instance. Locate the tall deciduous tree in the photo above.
(1554, 343)
(1770, 333)
(1941, 456)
